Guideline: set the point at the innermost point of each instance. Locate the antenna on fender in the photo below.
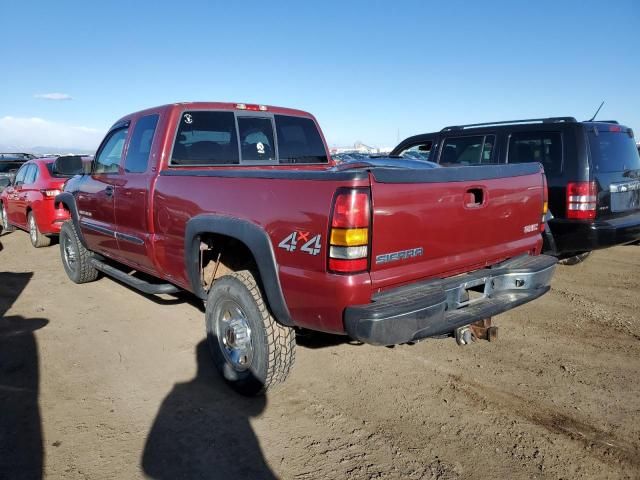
(595, 114)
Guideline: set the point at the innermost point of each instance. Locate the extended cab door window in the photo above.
(206, 138)
(140, 144)
(543, 147)
(256, 139)
(108, 158)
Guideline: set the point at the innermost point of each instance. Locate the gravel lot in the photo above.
(98, 381)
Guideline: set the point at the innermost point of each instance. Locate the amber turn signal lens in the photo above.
(349, 237)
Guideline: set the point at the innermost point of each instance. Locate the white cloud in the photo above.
(34, 132)
(53, 96)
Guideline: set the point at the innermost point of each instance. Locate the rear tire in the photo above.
(575, 260)
(6, 226)
(75, 258)
(38, 240)
(250, 349)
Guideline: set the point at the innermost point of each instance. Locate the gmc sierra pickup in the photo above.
(242, 206)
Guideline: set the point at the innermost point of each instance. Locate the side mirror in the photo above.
(69, 165)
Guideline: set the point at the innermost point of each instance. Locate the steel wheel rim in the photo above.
(33, 232)
(234, 335)
(70, 253)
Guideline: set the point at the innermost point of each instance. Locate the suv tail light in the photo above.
(581, 200)
(349, 233)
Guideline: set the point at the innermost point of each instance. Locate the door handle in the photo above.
(474, 197)
(108, 191)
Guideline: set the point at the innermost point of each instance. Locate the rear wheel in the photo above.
(6, 226)
(250, 349)
(75, 258)
(575, 260)
(38, 240)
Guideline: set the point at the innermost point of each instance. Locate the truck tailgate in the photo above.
(444, 221)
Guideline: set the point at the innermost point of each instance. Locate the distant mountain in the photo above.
(44, 150)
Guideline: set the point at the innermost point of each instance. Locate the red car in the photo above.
(28, 203)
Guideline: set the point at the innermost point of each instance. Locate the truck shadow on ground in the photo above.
(21, 449)
(202, 430)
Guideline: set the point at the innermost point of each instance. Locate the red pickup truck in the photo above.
(243, 206)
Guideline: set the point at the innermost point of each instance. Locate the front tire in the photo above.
(75, 258)
(6, 226)
(250, 349)
(38, 240)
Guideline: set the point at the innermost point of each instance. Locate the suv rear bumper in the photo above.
(438, 307)
(575, 236)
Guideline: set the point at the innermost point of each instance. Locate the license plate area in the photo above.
(625, 196)
(468, 293)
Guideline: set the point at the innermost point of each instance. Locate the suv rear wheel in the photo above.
(250, 349)
(75, 258)
(38, 240)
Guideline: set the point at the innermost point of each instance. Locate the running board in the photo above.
(137, 283)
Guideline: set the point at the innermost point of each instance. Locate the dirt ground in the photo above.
(98, 381)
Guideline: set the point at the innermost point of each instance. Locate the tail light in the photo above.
(349, 233)
(581, 200)
(50, 193)
(545, 202)
(252, 107)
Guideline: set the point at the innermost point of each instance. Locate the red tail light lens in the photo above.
(349, 234)
(581, 200)
(351, 210)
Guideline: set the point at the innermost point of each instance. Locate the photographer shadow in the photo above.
(202, 430)
(21, 449)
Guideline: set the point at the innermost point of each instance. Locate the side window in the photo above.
(543, 147)
(299, 140)
(31, 175)
(256, 139)
(462, 150)
(140, 144)
(21, 174)
(421, 151)
(206, 138)
(108, 158)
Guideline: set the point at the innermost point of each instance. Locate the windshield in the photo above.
(613, 152)
(10, 167)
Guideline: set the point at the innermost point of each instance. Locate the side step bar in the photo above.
(137, 283)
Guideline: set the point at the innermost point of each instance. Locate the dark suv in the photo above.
(10, 163)
(592, 168)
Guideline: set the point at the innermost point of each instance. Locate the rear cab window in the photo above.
(541, 147)
(219, 138)
(613, 150)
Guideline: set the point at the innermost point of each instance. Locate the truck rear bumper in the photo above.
(438, 307)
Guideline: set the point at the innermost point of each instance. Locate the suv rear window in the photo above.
(6, 167)
(542, 147)
(613, 151)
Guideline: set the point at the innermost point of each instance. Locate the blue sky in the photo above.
(370, 71)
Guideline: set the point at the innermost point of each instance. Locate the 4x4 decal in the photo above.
(311, 245)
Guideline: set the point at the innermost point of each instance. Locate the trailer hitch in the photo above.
(480, 330)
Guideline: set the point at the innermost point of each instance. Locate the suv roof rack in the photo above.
(528, 120)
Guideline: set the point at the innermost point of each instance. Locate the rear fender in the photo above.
(258, 243)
